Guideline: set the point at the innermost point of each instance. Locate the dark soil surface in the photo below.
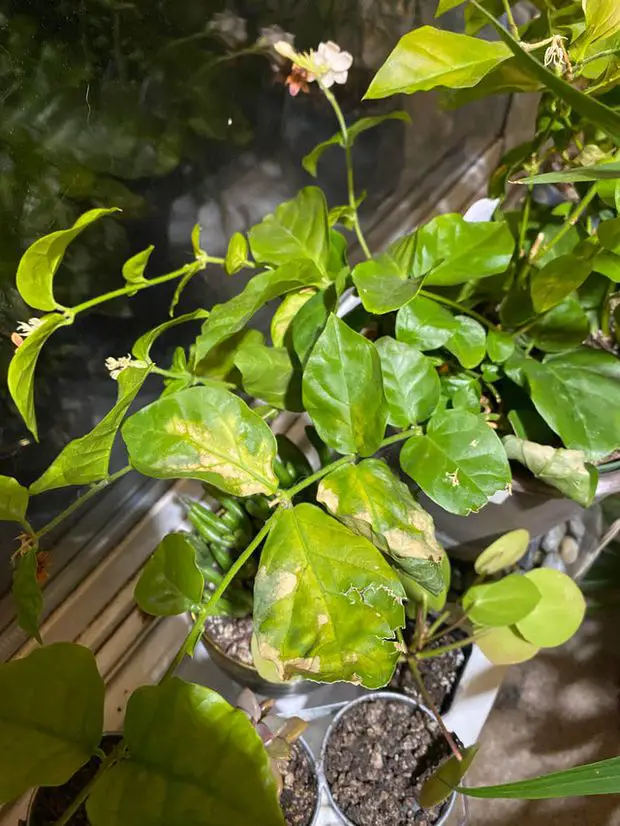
(440, 674)
(50, 803)
(233, 635)
(379, 755)
(300, 793)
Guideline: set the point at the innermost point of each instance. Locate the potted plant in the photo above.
(344, 548)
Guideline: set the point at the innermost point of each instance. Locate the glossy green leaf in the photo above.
(310, 161)
(410, 382)
(310, 322)
(203, 433)
(602, 777)
(13, 500)
(578, 395)
(317, 585)
(381, 289)
(600, 172)
(602, 22)
(133, 268)
(557, 280)
(503, 553)
(424, 324)
(38, 265)
(142, 347)
(559, 613)
(464, 391)
(286, 312)
(468, 341)
(427, 57)
(269, 374)
(297, 230)
(565, 470)
(500, 345)
(227, 319)
(500, 603)
(561, 328)
(371, 493)
(219, 362)
(51, 717)
(505, 646)
(506, 78)
(609, 235)
(20, 377)
(236, 254)
(607, 263)
(442, 7)
(27, 594)
(87, 459)
(189, 749)
(170, 582)
(343, 390)
(446, 778)
(459, 463)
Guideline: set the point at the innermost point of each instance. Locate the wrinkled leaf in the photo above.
(133, 268)
(500, 603)
(27, 594)
(163, 783)
(51, 718)
(424, 324)
(142, 347)
(170, 582)
(446, 778)
(317, 585)
(468, 341)
(557, 280)
(38, 265)
(503, 553)
(459, 463)
(268, 374)
(426, 574)
(13, 500)
(236, 254)
(559, 613)
(410, 382)
(343, 391)
(286, 312)
(505, 646)
(563, 469)
(203, 433)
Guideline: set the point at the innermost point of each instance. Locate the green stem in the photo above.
(420, 625)
(456, 306)
(428, 700)
(315, 477)
(606, 311)
(511, 21)
(189, 643)
(437, 624)
(448, 630)
(346, 142)
(182, 374)
(569, 223)
(525, 221)
(605, 53)
(399, 437)
(93, 491)
(429, 653)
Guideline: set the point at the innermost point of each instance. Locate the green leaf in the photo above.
(22, 366)
(442, 7)
(505, 646)
(410, 382)
(38, 265)
(500, 345)
(227, 319)
(459, 463)
(188, 751)
(13, 500)
(51, 719)
(296, 231)
(609, 235)
(500, 603)
(87, 459)
(142, 347)
(371, 493)
(557, 280)
(199, 253)
(310, 161)
(343, 390)
(468, 341)
(268, 374)
(286, 312)
(133, 268)
(506, 78)
(503, 553)
(600, 172)
(236, 254)
(426, 574)
(585, 105)
(427, 57)
(559, 613)
(561, 328)
(463, 390)
(602, 777)
(363, 124)
(310, 322)
(450, 250)
(565, 470)
(602, 22)
(219, 362)
(380, 289)
(578, 395)
(27, 593)
(170, 582)
(444, 780)
(424, 324)
(203, 433)
(317, 585)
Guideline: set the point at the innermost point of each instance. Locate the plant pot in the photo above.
(242, 672)
(301, 810)
(355, 749)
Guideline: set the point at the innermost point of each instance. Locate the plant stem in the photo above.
(432, 708)
(569, 223)
(511, 21)
(189, 643)
(178, 374)
(448, 630)
(456, 306)
(95, 489)
(605, 53)
(399, 437)
(606, 310)
(429, 653)
(113, 757)
(420, 626)
(346, 142)
(315, 477)
(437, 624)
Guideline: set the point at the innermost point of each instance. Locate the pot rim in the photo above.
(367, 698)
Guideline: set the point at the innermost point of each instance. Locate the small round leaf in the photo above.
(501, 603)
(504, 552)
(559, 613)
(505, 646)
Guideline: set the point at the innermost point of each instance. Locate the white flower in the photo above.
(116, 366)
(272, 35)
(231, 28)
(556, 54)
(332, 63)
(25, 328)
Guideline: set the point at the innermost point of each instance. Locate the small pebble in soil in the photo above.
(377, 759)
(551, 540)
(577, 527)
(233, 635)
(299, 795)
(569, 550)
(554, 560)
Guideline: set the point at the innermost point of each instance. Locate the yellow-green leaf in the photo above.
(559, 613)
(503, 553)
(500, 603)
(505, 646)
(13, 500)
(446, 778)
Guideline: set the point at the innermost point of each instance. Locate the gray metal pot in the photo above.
(308, 751)
(370, 698)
